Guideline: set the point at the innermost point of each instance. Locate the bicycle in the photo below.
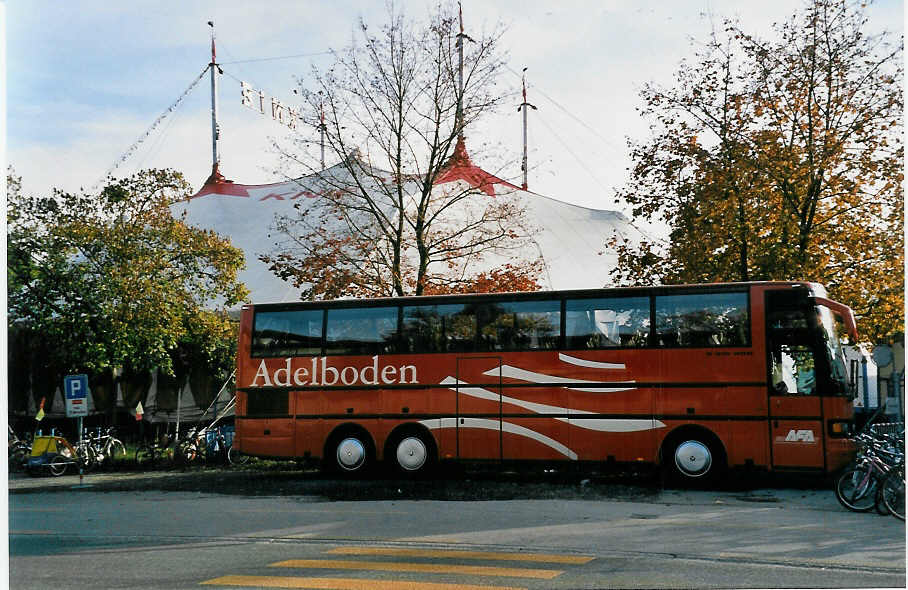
(236, 457)
(166, 449)
(858, 488)
(109, 448)
(19, 450)
(192, 448)
(893, 492)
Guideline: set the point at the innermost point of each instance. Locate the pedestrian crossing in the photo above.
(382, 562)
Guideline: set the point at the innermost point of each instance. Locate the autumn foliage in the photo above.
(779, 159)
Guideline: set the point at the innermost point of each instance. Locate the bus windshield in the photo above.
(834, 352)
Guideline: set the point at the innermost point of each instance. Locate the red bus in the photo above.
(693, 378)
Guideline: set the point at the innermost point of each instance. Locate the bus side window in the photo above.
(520, 325)
(607, 322)
(703, 320)
(577, 326)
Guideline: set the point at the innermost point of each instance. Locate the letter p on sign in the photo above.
(75, 388)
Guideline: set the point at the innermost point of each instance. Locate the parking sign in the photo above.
(75, 388)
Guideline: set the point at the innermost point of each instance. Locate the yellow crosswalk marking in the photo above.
(341, 584)
(385, 566)
(457, 554)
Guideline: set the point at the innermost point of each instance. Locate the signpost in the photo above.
(75, 388)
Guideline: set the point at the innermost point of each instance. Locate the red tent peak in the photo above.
(216, 176)
(460, 157)
(460, 167)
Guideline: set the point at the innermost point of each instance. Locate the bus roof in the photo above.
(815, 289)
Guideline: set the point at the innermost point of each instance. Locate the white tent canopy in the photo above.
(572, 240)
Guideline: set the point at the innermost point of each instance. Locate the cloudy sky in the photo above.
(86, 80)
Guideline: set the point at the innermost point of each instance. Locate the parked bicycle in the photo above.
(19, 449)
(893, 492)
(876, 478)
(100, 450)
(208, 445)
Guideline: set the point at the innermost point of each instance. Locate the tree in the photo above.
(392, 110)
(780, 159)
(113, 280)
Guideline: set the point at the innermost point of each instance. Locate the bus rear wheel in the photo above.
(413, 453)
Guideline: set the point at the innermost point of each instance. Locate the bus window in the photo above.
(607, 323)
(438, 328)
(364, 330)
(792, 342)
(702, 320)
(794, 370)
(520, 325)
(287, 333)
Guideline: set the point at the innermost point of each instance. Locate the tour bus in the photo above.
(694, 378)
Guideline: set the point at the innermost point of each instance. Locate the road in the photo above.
(224, 531)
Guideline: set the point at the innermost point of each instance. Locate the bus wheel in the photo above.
(351, 454)
(693, 458)
(414, 453)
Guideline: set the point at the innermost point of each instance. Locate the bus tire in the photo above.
(349, 453)
(693, 457)
(411, 452)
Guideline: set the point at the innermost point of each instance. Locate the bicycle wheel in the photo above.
(116, 450)
(185, 453)
(856, 489)
(18, 453)
(235, 457)
(88, 457)
(146, 457)
(58, 465)
(893, 493)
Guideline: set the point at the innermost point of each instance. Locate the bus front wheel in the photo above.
(693, 458)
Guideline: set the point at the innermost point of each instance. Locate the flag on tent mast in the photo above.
(40, 415)
(139, 411)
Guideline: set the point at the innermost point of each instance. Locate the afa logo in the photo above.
(800, 436)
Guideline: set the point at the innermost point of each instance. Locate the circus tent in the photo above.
(572, 240)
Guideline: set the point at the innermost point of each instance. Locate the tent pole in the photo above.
(524, 105)
(213, 66)
(321, 130)
(458, 123)
(179, 405)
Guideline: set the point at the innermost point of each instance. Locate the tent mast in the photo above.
(322, 128)
(524, 106)
(215, 130)
(460, 37)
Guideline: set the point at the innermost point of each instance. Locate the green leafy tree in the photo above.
(113, 280)
(780, 159)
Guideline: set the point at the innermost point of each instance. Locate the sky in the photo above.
(86, 81)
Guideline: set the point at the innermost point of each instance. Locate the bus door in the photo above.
(479, 408)
(795, 408)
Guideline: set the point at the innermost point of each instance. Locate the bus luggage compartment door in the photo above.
(479, 408)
